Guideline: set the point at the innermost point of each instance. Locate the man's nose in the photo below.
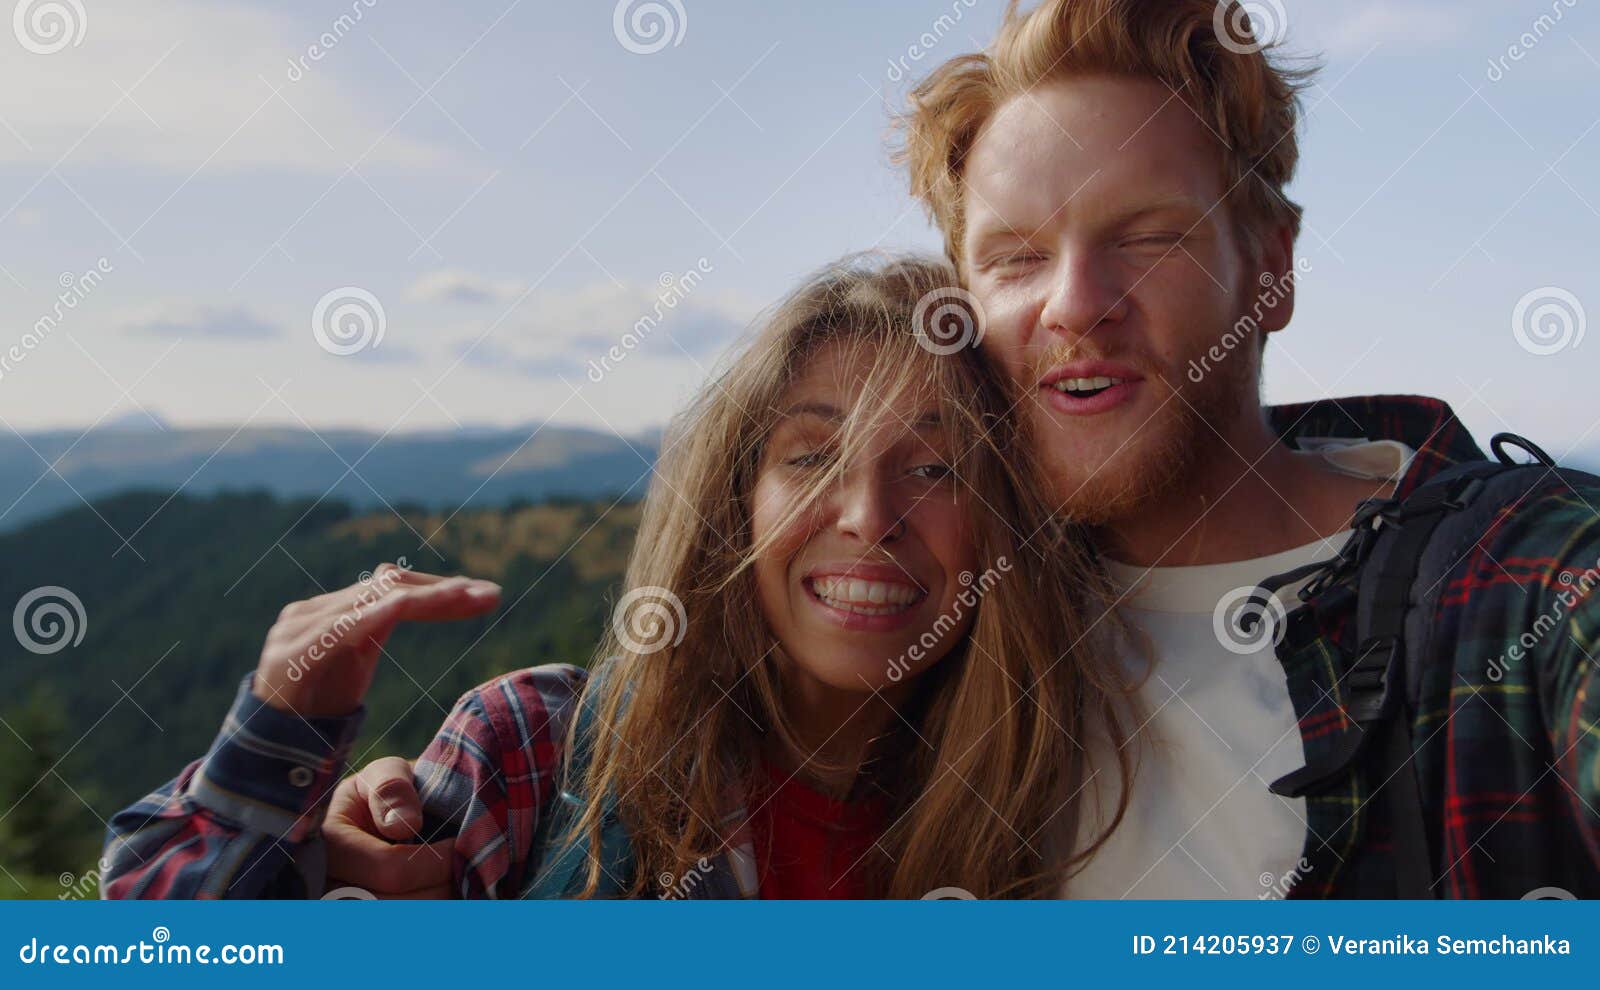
(1085, 295)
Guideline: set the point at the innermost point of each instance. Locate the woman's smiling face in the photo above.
(850, 581)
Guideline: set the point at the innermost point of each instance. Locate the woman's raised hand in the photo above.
(319, 657)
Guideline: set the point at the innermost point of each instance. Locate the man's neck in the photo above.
(1251, 497)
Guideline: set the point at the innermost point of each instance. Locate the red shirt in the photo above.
(811, 846)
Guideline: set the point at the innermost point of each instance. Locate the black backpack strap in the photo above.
(1392, 543)
(1402, 553)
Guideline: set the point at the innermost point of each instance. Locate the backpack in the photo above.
(1401, 551)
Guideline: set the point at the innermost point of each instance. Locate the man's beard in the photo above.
(1185, 430)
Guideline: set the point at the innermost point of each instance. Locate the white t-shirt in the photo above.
(1220, 727)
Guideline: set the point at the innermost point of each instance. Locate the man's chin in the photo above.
(1103, 487)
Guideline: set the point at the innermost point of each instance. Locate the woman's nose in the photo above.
(867, 509)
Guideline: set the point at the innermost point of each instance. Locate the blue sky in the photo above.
(517, 188)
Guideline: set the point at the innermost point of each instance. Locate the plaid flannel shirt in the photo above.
(1509, 752)
(1505, 731)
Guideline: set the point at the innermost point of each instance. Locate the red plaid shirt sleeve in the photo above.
(245, 821)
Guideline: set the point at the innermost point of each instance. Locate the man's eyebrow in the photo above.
(1181, 203)
(990, 229)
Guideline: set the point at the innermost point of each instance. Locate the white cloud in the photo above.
(185, 320)
(556, 334)
(181, 83)
(463, 287)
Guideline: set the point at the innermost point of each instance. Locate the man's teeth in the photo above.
(865, 597)
(1087, 384)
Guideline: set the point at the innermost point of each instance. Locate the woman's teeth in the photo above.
(865, 597)
(1079, 386)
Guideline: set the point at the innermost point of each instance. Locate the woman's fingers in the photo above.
(380, 582)
(359, 855)
(378, 866)
(391, 796)
(319, 659)
(350, 627)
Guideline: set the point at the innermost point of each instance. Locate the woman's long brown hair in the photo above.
(982, 771)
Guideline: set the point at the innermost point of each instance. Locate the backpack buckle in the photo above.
(1369, 681)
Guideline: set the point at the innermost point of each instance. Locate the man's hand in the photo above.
(320, 655)
(371, 817)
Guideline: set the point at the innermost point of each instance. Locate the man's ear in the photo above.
(1277, 260)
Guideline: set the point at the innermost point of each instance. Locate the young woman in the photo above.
(854, 659)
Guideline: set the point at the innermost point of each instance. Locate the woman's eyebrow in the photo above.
(927, 422)
(820, 410)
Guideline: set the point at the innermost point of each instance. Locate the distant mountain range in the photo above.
(471, 466)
